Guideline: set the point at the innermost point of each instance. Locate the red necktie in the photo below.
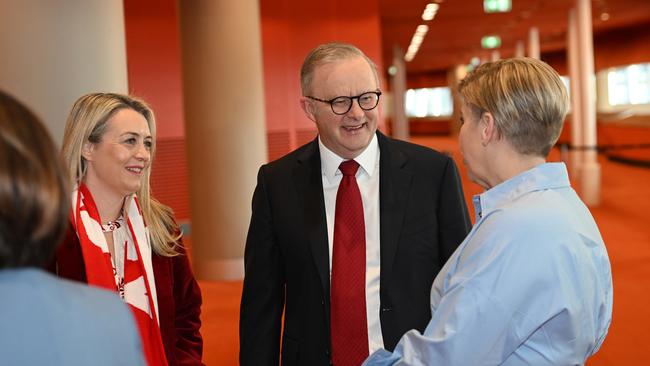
(348, 310)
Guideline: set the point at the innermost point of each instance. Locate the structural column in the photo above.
(225, 129)
(533, 43)
(520, 49)
(454, 76)
(398, 87)
(590, 171)
(575, 156)
(52, 52)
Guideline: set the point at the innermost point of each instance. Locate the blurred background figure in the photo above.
(120, 238)
(45, 320)
(531, 284)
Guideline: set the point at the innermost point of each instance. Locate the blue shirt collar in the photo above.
(543, 176)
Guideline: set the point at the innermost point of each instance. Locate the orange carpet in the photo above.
(623, 218)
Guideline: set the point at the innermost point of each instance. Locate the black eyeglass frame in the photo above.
(357, 97)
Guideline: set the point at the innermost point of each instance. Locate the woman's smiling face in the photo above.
(118, 162)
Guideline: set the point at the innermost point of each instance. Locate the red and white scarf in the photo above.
(139, 289)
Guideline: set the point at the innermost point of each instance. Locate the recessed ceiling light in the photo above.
(430, 11)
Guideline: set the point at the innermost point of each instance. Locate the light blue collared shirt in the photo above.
(530, 285)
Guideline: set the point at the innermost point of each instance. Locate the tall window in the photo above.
(429, 102)
(629, 85)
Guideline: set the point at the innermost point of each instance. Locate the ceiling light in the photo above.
(418, 37)
(604, 17)
(491, 42)
(416, 41)
(409, 57)
(430, 11)
(497, 6)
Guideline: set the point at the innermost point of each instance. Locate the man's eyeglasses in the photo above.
(342, 105)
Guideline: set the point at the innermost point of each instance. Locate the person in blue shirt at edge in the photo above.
(531, 284)
(45, 320)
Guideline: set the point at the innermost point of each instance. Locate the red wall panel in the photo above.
(290, 29)
(153, 60)
(154, 69)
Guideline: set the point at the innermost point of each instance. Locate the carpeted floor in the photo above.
(623, 218)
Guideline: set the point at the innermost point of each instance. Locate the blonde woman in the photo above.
(120, 237)
(532, 283)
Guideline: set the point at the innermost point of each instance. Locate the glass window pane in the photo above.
(429, 102)
(629, 85)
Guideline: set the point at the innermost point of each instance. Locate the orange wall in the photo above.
(619, 48)
(290, 29)
(427, 80)
(154, 69)
(153, 61)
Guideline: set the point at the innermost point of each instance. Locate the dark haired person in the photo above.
(46, 320)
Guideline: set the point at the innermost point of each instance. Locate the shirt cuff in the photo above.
(381, 358)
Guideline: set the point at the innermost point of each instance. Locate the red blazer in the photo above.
(179, 298)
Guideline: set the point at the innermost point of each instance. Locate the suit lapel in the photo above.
(394, 189)
(308, 178)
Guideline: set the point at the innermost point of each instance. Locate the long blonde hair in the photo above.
(87, 123)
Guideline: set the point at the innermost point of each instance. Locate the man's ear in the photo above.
(308, 108)
(488, 128)
(87, 150)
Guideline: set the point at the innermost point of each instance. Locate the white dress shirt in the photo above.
(368, 181)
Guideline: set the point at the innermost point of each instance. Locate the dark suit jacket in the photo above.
(423, 218)
(178, 294)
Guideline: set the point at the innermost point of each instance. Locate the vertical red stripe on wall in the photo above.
(169, 177)
(278, 144)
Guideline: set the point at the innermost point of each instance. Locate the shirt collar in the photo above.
(543, 176)
(367, 159)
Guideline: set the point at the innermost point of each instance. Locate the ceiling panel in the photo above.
(455, 33)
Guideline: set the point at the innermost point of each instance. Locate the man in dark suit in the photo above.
(399, 214)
